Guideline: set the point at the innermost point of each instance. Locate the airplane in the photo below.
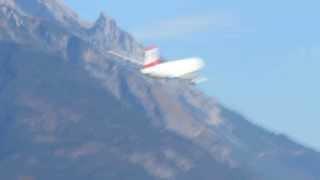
(184, 69)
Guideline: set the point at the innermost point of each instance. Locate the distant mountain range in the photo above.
(69, 110)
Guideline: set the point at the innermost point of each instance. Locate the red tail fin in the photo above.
(152, 57)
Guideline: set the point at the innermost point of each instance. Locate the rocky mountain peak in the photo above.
(51, 10)
(104, 25)
(105, 34)
(51, 23)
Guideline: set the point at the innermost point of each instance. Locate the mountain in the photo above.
(70, 110)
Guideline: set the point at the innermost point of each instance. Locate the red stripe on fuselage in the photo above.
(152, 64)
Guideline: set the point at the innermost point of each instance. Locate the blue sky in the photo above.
(263, 57)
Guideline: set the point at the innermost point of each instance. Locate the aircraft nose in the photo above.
(199, 62)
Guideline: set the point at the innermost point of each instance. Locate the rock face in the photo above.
(106, 35)
(69, 110)
(51, 10)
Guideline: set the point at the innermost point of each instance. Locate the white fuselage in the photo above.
(174, 69)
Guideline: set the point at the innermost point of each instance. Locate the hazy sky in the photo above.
(263, 57)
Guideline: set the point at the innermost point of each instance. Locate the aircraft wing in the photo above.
(199, 80)
(132, 60)
(194, 78)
